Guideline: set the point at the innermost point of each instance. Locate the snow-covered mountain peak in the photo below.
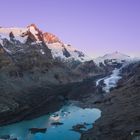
(116, 55)
(113, 57)
(36, 32)
(21, 34)
(33, 29)
(32, 26)
(31, 35)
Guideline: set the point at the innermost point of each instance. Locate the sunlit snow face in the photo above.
(17, 32)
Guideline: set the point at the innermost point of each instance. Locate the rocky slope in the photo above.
(120, 109)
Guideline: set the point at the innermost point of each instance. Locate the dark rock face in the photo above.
(89, 68)
(37, 130)
(120, 109)
(5, 137)
(66, 53)
(78, 128)
(79, 53)
(57, 123)
(11, 35)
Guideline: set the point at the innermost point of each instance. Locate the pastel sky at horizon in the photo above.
(96, 27)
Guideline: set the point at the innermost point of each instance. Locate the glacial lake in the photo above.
(68, 115)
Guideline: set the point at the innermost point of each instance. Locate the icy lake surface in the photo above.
(68, 115)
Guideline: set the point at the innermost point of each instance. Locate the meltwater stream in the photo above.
(68, 115)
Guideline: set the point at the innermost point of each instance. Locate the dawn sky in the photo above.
(93, 26)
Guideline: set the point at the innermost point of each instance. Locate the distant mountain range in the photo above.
(115, 56)
(59, 50)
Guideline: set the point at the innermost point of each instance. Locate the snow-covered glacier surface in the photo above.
(110, 81)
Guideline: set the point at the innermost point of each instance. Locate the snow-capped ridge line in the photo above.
(32, 34)
(114, 57)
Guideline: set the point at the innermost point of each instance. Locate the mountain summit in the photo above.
(33, 35)
(114, 57)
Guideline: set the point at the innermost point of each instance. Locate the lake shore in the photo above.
(48, 100)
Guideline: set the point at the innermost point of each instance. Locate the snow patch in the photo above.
(57, 52)
(17, 32)
(42, 52)
(4, 36)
